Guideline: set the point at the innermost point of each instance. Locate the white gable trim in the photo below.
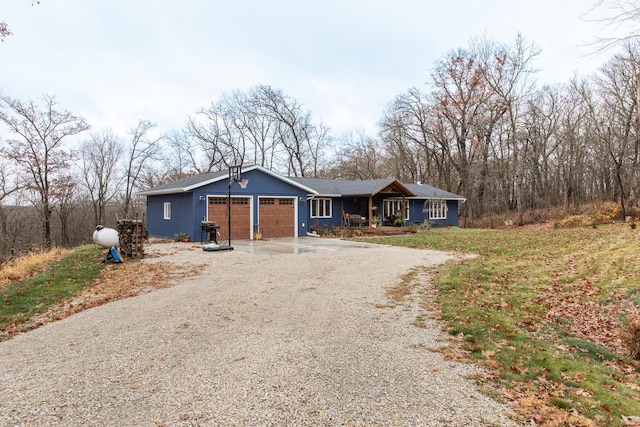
(249, 169)
(225, 177)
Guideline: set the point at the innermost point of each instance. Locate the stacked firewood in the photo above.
(132, 236)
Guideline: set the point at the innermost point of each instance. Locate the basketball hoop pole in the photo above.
(235, 175)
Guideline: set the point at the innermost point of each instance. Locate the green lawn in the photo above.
(59, 282)
(542, 310)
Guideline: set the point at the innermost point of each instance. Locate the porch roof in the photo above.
(367, 187)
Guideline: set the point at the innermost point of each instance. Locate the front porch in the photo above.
(383, 206)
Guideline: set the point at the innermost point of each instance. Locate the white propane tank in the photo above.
(106, 237)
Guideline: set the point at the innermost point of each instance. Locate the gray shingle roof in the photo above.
(429, 192)
(186, 184)
(321, 186)
(342, 187)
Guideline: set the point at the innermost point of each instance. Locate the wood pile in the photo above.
(132, 237)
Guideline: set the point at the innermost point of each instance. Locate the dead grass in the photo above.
(585, 215)
(631, 337)
(28, 265)
(403, 289)
(115, 282)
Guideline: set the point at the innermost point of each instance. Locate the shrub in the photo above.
(575, 221)
(606, 212)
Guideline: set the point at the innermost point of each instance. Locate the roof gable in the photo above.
(194, 182)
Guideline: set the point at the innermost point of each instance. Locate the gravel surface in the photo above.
(305, 338)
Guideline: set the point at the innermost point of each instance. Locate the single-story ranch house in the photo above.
(281, 206)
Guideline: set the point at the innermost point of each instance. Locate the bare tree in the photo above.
(294, 131)
(37, 148)
(66, 194)
(9, 185)
(263, 126)
(359, 157)
(615, 111)
(100, 158)
(220, 132)
(144, 149)
(622, 18)
(9, 181)
(183, 157)
(4, 28)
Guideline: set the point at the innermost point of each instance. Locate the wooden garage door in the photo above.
(240, 217)
(277, 217)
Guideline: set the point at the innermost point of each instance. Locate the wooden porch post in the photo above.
(370, 210)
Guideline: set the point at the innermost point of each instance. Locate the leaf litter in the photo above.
(115, 282)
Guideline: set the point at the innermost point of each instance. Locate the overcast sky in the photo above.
(115, 62)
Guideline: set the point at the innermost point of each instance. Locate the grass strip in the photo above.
(542, 310)
(62, 279)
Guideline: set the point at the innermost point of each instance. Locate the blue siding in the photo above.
(181, 215)
(417, 215)
(188, 210)
(335, 220)
(452, 215)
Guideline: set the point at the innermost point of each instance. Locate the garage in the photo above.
(277, 217)
(240, 216)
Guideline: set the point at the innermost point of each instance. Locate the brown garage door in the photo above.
(277, 217)
(240, 217)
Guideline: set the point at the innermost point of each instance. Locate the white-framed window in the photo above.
(321, 208)
(393, 207)
(167, 210)
(437, 209)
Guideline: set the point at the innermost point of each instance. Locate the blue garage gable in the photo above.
(181, 206)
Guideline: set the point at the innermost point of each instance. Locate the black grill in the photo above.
(210, 228)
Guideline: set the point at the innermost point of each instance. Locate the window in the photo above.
(167, 210)
(320, 208)
(393, 207)
(437, 209)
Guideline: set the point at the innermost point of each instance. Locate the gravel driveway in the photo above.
(258, 339)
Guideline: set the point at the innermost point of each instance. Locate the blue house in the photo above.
(279, 206)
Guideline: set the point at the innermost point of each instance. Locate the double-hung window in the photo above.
(437, 209)
(321, 208)
(167, 210)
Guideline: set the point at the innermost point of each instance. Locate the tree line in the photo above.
(485, 130)
(59, 179)
(481, 127)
